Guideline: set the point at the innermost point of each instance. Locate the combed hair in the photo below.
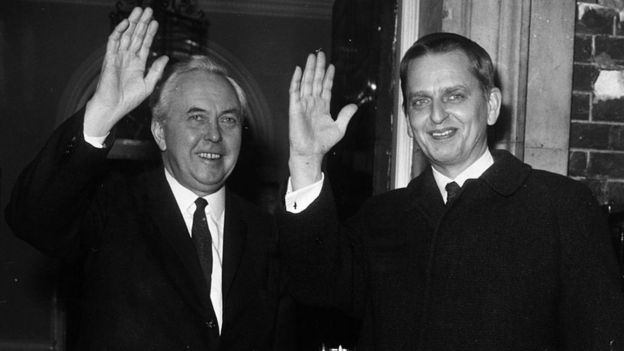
(440, 43)
(160, 97)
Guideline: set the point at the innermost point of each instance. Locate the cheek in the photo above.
(233, 138)
(416, 120)
(183, 142)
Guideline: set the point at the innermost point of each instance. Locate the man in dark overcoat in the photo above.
(170, 259)
(479, 252)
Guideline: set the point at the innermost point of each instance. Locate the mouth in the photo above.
(443, 134)
(209, 156)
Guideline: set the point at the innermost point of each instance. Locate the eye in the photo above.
(419, 102)
(229, 120)
(196, 117)
(456, 97)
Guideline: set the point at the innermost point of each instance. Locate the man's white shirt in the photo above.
(474, 171)
(215, 215)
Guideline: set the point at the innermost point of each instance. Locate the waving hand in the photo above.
(312, 130)
(123, 84)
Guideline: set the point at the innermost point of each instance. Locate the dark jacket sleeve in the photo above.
(324, 260)
(54, 194)
(591, 308)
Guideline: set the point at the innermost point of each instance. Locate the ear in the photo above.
(158, 131)
(495, 99)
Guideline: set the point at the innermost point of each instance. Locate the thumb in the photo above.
(344, 116)
(155, 72)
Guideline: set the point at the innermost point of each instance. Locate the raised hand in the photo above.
(123, 84)
(312, 130)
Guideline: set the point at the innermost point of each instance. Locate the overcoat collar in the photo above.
(505, 176)
(426, 197)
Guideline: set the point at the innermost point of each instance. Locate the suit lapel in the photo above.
(173, 244)
(234, 235)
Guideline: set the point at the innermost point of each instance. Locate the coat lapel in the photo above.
(427, 198)
(173, 244)
(234, 235)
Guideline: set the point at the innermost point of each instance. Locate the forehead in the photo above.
(440, 70)
(203, 89)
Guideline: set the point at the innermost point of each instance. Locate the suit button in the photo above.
(211, 324)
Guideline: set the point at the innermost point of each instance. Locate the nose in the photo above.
(212, 132)
(438, 112)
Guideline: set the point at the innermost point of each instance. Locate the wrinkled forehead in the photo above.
(198, 79)
(200, 91)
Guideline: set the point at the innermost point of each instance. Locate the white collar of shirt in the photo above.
(186, 199)
(215, 212)
(474, 171)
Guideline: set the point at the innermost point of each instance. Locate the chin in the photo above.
(211, 183)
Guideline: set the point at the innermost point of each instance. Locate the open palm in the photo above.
(123, 84)
(312, 130)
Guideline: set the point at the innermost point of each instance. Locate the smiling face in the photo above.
(448, 111)
(200, 137)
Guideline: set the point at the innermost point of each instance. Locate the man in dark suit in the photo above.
(171, 260)
(504, 258)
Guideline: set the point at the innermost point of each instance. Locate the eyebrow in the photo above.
(198, 109)
(444, 90)
(455, 88)
(195, 109)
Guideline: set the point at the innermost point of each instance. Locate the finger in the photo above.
(149, 38)
(293, 90)
(319, 73)
(155, 72)
(139, 33)
(294, 81)
(132, 22)
(113, 39)
(308, 74)
(344, 116)
(328, 83)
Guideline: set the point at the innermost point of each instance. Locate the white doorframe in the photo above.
(403, 146)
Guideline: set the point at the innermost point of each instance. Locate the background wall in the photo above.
(597, 118)
(41, 45)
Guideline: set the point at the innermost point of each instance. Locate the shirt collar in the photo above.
(186, 198)
(474, 171)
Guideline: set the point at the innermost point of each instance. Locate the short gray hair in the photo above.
(160, 97)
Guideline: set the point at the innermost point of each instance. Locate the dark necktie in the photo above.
(202, 239)
(452, 190)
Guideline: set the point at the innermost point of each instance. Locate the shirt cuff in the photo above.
(97, 142)
(297, 201)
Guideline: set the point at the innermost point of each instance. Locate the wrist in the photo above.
(96, 119)
(305, 170)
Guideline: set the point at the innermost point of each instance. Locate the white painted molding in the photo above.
(548, 101)
(318, 9)
(403, 145)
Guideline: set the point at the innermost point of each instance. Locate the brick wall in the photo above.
(597, 115)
